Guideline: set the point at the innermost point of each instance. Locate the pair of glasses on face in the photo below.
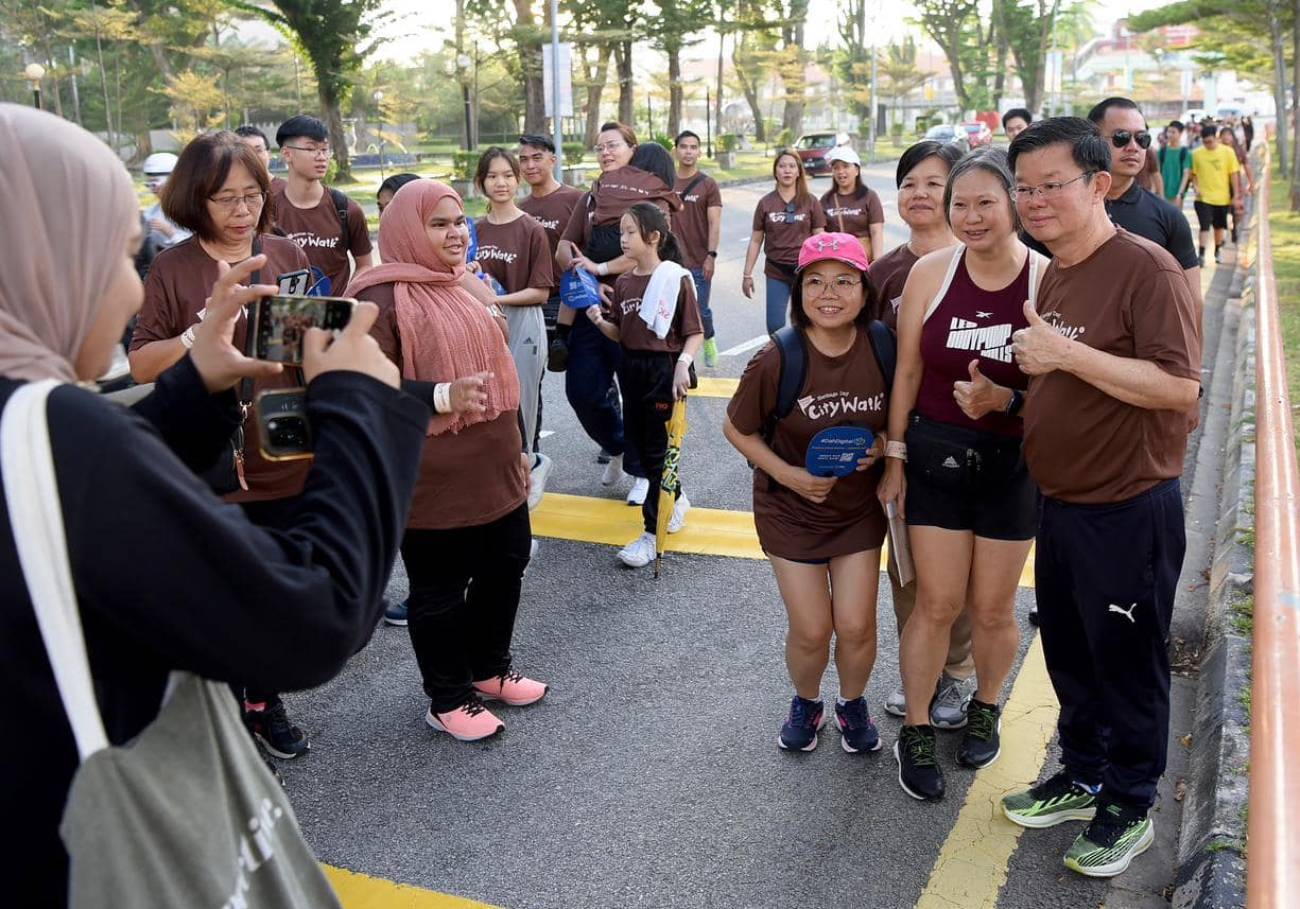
(308, 150)
(252, 201)
(1047, 190)
(816, 285)
(1122, 137)
(609, 146)
(789, 217)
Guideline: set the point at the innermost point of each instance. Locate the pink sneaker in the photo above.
(469, 722)
(511, 688)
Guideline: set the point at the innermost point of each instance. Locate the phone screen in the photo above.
(283, 321)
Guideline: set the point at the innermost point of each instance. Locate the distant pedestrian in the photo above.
(1216, 177)
(1175, 164)
(852, 207)
(163, 232)
(1016, 121)
(698, 227)
(783, 219)
(1228, 137)
(1114, 357)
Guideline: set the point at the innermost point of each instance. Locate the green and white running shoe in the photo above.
(1116, 836)
(1051, 802)
(710, 351)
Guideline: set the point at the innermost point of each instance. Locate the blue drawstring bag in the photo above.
(492, 283)
(471, 253)
(579, 289)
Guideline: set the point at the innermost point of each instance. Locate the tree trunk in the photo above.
(675, 94)
(595, 89)
(626, 90)
(333, 117)
(717, 95)
(792, 74)
(1279, 84)
(750, 89)
(1295, 81)
(530, 67)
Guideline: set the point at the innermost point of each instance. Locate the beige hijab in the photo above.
(69, 207)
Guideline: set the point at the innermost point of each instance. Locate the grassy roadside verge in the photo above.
(1285, 227)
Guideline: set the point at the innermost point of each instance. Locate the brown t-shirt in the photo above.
(691, 224)
(629, 290)
(847, 390)
(784, 230)
(619, 189)
(1129, 298)
(318, 231)
(176, 291)
(853, 214)
(553, 211)
(516, 254)
(466, 478)
(888, 275)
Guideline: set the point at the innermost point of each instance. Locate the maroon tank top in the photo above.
(972, 323)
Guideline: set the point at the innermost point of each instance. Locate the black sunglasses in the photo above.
(1122, 137)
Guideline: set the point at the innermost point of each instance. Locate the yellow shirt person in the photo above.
(1212, 171)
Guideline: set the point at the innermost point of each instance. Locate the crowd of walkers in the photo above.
(1025, 367)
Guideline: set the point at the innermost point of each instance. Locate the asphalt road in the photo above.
(649, 776)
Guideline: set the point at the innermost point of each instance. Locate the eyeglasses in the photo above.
(314, 152)
(252, 201)
(816, 286)
(1049, 189)
(610, 146)
(1122, 137)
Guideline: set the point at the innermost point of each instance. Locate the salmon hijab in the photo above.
(446, 334)
(72, 209)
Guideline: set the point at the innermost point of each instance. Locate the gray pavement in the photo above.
(650, 776)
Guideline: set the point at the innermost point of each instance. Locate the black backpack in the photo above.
(790, 343)
(341, 207)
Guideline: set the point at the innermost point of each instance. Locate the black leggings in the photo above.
(465, 585)
(646, 378)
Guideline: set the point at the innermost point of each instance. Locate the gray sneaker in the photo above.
(951, 700)
(896, 703)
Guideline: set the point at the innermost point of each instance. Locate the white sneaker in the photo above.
(613, 471)
(639, 553)
(896, 703)
(532, 550)
(678, 520)
(640, 489)
(537, 486)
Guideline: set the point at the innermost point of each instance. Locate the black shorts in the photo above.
(964, 479)
(1208, 215)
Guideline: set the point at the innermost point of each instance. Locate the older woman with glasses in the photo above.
(218, 191)
(783, 219)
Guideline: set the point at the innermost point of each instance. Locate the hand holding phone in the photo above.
(282, 321)
(219, 363)
(353, 350)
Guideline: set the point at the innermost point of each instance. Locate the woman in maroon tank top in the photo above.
(958, 477)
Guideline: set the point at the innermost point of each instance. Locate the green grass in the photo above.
(1285, 226)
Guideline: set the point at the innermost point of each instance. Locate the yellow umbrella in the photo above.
(670, 484)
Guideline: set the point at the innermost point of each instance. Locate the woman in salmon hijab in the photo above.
(164, 575)
(468, 537)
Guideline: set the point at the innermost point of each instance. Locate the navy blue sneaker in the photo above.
(799, 731)
(395, 613)
(857, 732)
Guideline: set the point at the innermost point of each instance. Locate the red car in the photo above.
(978, 133)
(814, 147)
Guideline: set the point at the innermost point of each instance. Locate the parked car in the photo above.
(946, 132)
(814, 147)
(978, 133)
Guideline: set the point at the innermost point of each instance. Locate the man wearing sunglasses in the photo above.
(1133, 208)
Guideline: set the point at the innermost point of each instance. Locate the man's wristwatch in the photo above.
(1016, 403)
(712, 254)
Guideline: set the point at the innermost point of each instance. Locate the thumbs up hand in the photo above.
(1040, 348)
(980, 395)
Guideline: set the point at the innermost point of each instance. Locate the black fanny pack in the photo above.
(956, 457)
(787, 270)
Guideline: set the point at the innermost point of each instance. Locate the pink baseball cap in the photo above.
(844, 248)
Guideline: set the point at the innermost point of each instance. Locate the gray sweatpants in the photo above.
(528, 347)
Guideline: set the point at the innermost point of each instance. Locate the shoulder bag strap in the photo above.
(36, 518)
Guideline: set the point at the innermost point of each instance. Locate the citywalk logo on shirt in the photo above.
(548, 223)
(839, 403)
(1070, 331)
(496, 253)
(305, 238)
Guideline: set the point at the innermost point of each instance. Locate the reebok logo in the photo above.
(992, 341)
(1126, 613)
(951, 462)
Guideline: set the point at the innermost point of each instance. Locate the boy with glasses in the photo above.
(325, 223)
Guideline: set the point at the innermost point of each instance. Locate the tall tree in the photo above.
(899, 71)
(1027, 30)
(853, 62)
(753, 56)
(951, 23)
(677, 26)
(793, 62)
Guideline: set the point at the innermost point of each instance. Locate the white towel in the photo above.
(659, 303)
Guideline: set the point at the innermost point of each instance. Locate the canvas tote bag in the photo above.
(186, 814)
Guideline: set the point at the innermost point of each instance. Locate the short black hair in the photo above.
(1089, 150)
(536, 140)
(1177, 124)
(301, 127)
(1098, 112)
(396, 182)
(1018, 113)
(949, 152)
(1210, 130)
(248, 131)
(685, 134)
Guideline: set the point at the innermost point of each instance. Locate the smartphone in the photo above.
(283, 433)
(295, 283)
(282, 321)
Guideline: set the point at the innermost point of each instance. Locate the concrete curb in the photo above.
(1211, 867)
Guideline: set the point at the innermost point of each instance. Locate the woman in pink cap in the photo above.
(821, 534)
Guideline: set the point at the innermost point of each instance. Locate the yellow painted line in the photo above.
(972, 865)
(360, 891)
(708, 531)
(710, 387)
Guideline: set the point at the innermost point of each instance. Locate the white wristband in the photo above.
(187, 337)
(685, 358)
(442, 397)
(602, 269)
(896, 450)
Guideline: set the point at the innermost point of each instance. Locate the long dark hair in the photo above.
(653, 158)
(485, 164)
(802, 195)
(650, 219)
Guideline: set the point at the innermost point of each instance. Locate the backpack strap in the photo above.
(794, 369)
(341, 209)
(885, 346)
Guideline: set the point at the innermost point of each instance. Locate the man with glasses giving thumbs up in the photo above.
(1114, 355)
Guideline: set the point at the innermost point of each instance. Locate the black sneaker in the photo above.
(918, 765)
(799, 731)
(981, 744)
(272, 728)
(557, 358)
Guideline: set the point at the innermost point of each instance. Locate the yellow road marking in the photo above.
(708, 531)
(360, 891)
(972, 865)
(710, 387)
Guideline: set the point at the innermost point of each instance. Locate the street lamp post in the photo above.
(708, 124)
(463, 61)
(34, 73)
(379, 107)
